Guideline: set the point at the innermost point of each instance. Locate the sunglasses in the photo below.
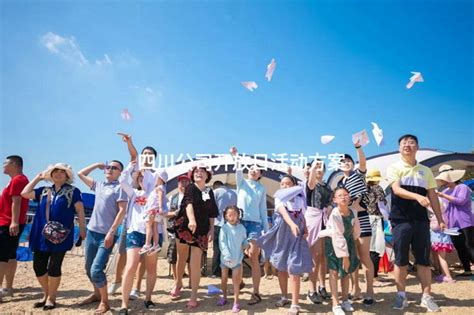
(112, 168)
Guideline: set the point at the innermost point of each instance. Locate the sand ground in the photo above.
(457, 298)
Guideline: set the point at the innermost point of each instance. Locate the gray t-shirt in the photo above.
(107, 194)
(224, 197)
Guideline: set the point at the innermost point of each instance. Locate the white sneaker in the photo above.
(113, 287)
(337, 310)
(429, 303)
(134, 294)
(347, 306)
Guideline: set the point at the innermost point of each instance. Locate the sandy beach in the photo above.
(457, 298)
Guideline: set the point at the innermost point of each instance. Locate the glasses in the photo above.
(112, 168)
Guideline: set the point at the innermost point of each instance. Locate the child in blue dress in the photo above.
(232, 243)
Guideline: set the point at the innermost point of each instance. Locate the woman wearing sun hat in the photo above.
(458, 213)
(57, 206)
(376, 199)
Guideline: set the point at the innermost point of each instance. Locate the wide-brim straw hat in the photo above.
(449, 174)
(60, 166)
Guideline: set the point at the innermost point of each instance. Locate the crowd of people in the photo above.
(316, 230)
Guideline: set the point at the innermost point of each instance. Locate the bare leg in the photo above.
(255, 263)
(224, 277)
(156, 237)
(122, 259)
(53, 284)
(10, 274)
(140, 273)
(236, 280)
(149, 230)
(295, 289)
(283, 281)
(363, 244)
(127, 281)
(195, 262)
(400, 274)
(43, 281)
(333, 277)
(424, 274)
(182, 253)
(322, 266)
(345, 288)
(173, 271)
(313, 275)
(444, 265)
(150, 264)
(104, 296)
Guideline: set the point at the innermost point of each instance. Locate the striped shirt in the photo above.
(356, 185)
(416, 179)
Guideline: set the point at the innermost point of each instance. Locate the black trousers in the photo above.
(48, 263)
(216, 256)
(464, 244)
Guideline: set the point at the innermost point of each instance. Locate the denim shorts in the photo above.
(137, 239)
(254, 229)
(233, 268)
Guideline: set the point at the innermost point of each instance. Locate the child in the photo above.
(440, 245)
(285, 242)
(341, 233)
(354, 181)
(232, 242)
(155, 208)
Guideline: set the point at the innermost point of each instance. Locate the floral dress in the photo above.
(205, 208)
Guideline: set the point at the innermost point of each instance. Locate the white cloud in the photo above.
(105, 61)
(64, 47)
(68, 49)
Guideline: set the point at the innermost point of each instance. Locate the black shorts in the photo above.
(415, 234)
(8, 244)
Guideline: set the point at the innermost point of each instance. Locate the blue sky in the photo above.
(68, 68)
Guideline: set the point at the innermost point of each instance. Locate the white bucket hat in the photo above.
(60, 166)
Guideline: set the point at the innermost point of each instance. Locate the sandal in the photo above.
(282, 302)
(192, 304)
(103, 308)
(221, 301)
(255, 299)
(236, 308)
(176, 291)
(91, 299)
